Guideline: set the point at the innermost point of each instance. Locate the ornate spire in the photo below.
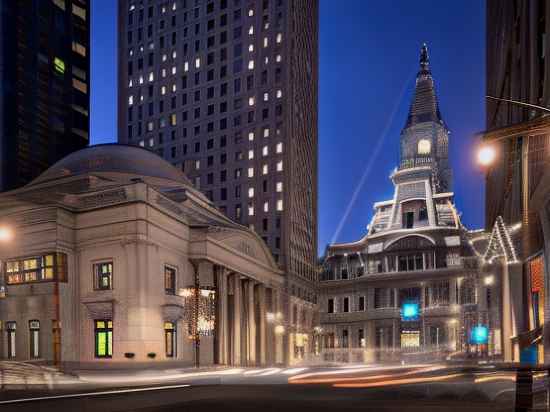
(424, 107)
(424, 58)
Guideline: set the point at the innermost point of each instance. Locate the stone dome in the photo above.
(114, 159)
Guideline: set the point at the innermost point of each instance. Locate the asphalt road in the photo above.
(415, 388)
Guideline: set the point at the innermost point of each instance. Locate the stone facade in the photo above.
(129, 238)
(414, 285)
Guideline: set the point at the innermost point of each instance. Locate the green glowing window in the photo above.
(59, 65)
(103, 338)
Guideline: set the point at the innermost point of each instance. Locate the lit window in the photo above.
(251, 48)
(278, 58)
(174, 88)
(265, 169)
(79, 48)
(265, 151)
(79, 11)
(173, 119)
(150, 126)
(251, 65)
(131, 52)
(130, 100)
(170, 335)
(280, 166)
(265, 42)
(197, 63)
(279, 205)
(424, 146)
(266, 132)
(251, 30)
(266, 60)
(103, 275)
(250, 12)
(140, 79)
(163, 90)
(103, 334)
(279, 94)
(174, 6)
(266, 97)
(151, 77)
(34, 335)
(174, 55)
(251, 101)
(279, 37)
(164, 57)
(173, 69)
(186, 66)
(279, 148)
(163, 72)
(250, 172)
(250, 154)
(197, 164)
(251, 136)
(279, 187)
(251, 192)
(142, 143)
(140, 97)
(266, 207)
(250, 210)
(169, 280)
(151, 140)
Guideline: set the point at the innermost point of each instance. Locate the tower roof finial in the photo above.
(424, 58)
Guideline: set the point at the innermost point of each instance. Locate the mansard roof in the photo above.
(424, 106)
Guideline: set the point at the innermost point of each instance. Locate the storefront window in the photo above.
(10, 329)
(103, 331)
(170, 339)
(34, 341)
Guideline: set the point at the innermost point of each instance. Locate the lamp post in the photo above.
(199, 304)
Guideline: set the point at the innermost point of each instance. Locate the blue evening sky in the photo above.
(368, 60)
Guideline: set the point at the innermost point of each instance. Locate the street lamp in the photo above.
(6, 234)
(486, 155)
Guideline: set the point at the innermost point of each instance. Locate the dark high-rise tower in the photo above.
(44, 85)
(227, 91)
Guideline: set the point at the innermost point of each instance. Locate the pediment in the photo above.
(243, 242)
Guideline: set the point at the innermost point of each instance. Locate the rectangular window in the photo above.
(10, 330)
(170, 339)
(103, 332)
(346, 304)
(103, 275)
(361, 338)
(330, 306)
(169, 280)
(34, 341)
(37, 269)
(361, 303)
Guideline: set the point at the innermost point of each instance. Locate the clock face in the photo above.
(424, 147)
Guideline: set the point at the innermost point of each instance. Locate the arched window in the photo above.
(424, 147)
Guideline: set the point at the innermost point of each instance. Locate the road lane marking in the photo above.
(84, 394)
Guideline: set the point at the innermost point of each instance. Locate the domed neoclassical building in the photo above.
(115, 257)
(414, 283)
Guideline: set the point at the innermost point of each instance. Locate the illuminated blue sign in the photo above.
(410, 311)
(479, 335)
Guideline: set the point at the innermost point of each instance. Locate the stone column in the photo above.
(251, 332)
(222, 316)
(262, 356)
(237, 298)
(278, 339)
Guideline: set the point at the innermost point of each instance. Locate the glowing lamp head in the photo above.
(486, 155)
(279, 329)
(5, 234)
(410, 311)
(479, 335)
